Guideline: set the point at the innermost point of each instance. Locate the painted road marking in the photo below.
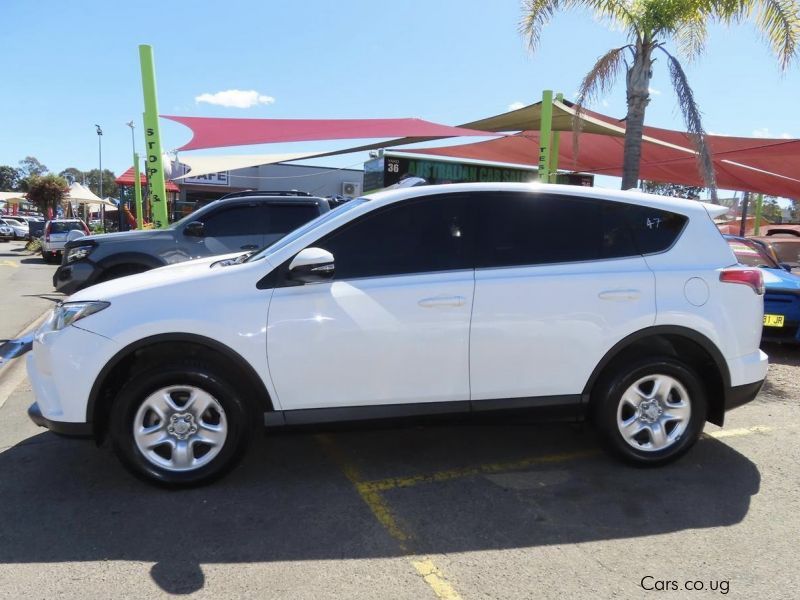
(726, 433)
(9, 263)
(370, 492)
(382, 485)
(424, 566)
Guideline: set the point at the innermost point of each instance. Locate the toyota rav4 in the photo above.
(442, 299)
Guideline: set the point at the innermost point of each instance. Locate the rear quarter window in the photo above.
(653, 230)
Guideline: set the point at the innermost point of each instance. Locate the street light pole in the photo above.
(100, 155)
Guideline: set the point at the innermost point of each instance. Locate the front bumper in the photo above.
(59, 427)
(70, 278)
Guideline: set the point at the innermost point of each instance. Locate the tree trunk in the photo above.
(638, 88)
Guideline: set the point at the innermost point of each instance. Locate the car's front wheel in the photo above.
(180, 424)
(650, 411)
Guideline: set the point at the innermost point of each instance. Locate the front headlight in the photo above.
(67, 313)
(78, 253)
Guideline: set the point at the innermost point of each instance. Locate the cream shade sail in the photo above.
(204, 165)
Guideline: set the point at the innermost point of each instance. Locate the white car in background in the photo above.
(6, 232)
(56, 235)
(624, 308)
(18, 226)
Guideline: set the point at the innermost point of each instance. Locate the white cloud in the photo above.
(764, 132)
(235, 98)
(654, 91)
(516, 105)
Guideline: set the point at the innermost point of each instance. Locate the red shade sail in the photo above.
(603, 155)
(217, 133)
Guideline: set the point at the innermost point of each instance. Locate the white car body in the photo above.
(522, 335)
(54, 242)
(18, 226)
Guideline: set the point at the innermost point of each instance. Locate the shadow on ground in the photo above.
(66, 500)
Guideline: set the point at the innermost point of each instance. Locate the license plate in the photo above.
(773, 320)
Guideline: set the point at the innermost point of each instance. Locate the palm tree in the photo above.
(649, 25)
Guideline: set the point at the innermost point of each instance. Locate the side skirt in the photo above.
(567, 407)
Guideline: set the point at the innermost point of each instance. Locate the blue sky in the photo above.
(68, 65)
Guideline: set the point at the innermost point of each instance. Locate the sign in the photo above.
(220, 178)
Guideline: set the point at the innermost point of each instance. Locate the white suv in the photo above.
(622, 307)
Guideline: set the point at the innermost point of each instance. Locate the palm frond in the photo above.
(694, 125)
(690, 37)
(599, 80)
(535, 15)
(779, 22)
(538, 13)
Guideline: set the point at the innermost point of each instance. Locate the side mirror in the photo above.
(312, 265)
(194, 229)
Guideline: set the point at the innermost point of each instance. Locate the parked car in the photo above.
(236, 223)
(20, 228)
(782, 248)
(55, 236)
(783, 229)
(6, 232)
(437, 299)
(782, 295)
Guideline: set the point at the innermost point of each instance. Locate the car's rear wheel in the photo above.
(183, 424)
(651, 411)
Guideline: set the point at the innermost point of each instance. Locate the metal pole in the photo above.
(743, 224)
(545, 128)
(137, 188)
(154, 161)
(554, 147)
(759, 208)
(100, 154)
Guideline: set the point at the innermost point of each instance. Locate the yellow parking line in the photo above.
(9, 263)
(382, 485)
(431, 574)
(725, 433)
(424, 566)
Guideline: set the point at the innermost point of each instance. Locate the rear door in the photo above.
(283, 217)
(558, 282)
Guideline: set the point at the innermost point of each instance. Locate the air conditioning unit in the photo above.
(351, 188)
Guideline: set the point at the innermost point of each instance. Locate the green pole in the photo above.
(554, 144)
(759, 206)
(152, 139)
(137, 191)
(545, 128)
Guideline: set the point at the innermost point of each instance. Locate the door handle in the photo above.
(248, 247)
(442, 301)
(620, 295)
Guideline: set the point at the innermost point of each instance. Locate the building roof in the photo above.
(126, 179)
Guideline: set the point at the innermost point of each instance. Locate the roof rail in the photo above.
(246, 193)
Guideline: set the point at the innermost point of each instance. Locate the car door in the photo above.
(558, 282)
(392, 327)
(234, 228)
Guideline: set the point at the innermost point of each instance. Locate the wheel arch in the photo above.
(694, 348)
(129, 258)
(114, 373)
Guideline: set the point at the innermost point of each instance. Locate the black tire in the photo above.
(205, 377)
(607, 400)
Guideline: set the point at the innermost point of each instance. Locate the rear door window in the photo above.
(515, 229)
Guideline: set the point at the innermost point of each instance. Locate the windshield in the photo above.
(64, 226)
(751, 254)
(300, 232)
